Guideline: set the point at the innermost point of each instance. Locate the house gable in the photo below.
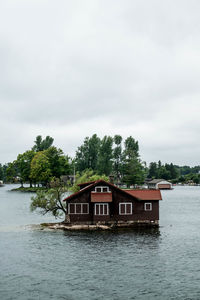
(100, 183)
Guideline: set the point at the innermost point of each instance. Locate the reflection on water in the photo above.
(142, 263)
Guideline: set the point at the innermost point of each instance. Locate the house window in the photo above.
(101, 209)
(125, 208)
(78, 208)
(101, 189)
(148, 206)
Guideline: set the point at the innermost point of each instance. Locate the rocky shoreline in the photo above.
(78, 227)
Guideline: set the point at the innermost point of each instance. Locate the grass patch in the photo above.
(29, 189)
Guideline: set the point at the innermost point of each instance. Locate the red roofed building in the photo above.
(100, 202)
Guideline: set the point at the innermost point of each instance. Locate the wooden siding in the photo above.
(164, 186)
(138, 211)
(101, 197)
(82, 218)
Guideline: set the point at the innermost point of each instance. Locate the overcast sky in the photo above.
(69, 69)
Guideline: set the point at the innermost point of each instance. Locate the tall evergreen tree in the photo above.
(41, 145)
(82, 156)
(87, 154)
(174, 171)
(105, 156)
(133, 171)
(153, 170)
(117, 155)
(94, 144)
(163, 173)
(131, 148)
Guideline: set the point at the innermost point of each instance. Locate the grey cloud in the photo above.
(71, 68)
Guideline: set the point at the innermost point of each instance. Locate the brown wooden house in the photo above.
(100, 202)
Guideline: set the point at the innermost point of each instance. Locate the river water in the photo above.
(161, 263)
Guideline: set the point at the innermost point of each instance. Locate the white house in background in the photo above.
(159, 184)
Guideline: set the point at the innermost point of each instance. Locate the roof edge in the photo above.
(93, 185)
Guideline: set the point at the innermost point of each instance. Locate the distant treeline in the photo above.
(104, 157)
(174, 173)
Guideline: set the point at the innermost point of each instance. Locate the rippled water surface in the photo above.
(133, 264)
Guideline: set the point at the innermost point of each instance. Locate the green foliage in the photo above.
(82, 156)
(4, 172)
(11, 172)
(109, 156)
(3, 169)
(133, 171)
(94, 143)
(177, 174)
(164, 173)
(37, 165)
(86, 176)
(23, 164)
(40, 168)
(104, 164)
(167, 171)
(196, 178)
(188, 174)
(29, 189)
(59, 163)
(153, 170)
(131, 148)
(192, 178)
(173, 171)
(106, 156)
(95, 154)
(41, 145)
(117, 157)
(50, 201)
(1, 172)
(87, 154)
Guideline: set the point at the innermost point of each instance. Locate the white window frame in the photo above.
(125, 213)
(81, 213)
(102, 187)
(99, 204)
(145, 206)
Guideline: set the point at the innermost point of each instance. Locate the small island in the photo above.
(105, 186)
